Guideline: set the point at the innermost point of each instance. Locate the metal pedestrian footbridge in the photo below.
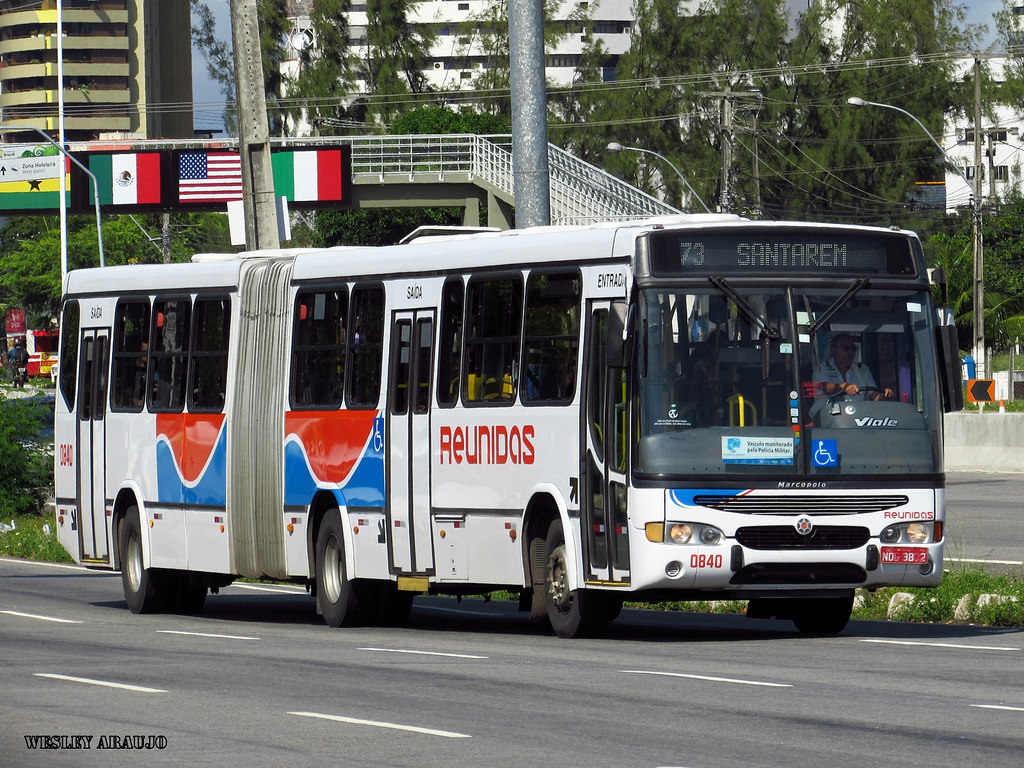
(474, 172)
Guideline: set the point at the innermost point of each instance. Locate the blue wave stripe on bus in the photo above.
(210, 489)
(363, 488)
(685, 497)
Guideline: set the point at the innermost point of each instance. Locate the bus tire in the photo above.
(145, 589)
(335, 594)
(822, 615)
(572, 613)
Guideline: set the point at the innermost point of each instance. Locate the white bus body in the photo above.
(452, 415)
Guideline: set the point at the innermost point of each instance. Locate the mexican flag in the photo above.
(307, 175)
(126, 178)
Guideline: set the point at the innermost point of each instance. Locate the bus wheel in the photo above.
(572, 613)
(145, 589)
(335, 595)
(822, 615)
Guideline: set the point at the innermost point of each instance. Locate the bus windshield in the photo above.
(786, 381)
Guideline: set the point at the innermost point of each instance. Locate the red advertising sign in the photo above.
(15, 322)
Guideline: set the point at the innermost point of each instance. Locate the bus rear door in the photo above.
(92, 399)
(408, 465)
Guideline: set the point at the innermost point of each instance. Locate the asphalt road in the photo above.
(258, 680)
(983, 519)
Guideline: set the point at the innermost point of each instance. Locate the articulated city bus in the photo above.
(698, 407)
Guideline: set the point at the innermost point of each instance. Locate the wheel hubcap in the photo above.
(332, 570)
(133, 562)
(558, 582)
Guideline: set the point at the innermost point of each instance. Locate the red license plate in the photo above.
(905, 555)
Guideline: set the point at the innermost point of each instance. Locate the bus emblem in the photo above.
(804, 526)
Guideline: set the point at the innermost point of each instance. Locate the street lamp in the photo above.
(616, 147)
(979, 254)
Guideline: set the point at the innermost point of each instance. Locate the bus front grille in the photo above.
(787, 537)
(753, 504)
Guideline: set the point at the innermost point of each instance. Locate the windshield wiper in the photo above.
(838, 304)
(752, 315)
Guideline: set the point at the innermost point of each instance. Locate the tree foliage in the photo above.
(322, 93)
(30, 248)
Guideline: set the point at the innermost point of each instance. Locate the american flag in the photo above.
(209, 177)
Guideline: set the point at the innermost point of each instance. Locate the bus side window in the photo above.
(318, 348)
(450, 347)
(68, 367)
(131, 355)
(209, 360)
(367, 348)
(493, 338)
(552, 336)
(168, 351)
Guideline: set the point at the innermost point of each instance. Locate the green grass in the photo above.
(28, 540)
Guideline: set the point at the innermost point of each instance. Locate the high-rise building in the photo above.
(127, 68)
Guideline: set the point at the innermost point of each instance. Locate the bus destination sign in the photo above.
(779, 251)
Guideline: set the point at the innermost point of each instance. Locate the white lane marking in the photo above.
(981, 560)
(942, 645)
(104, 683)
(998, 706)
(378, 724)
(425, 653)
(204, 634)
(41, 618)
(278, 589)
(65, 566)
(705, 677)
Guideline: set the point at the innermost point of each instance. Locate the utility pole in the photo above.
(979, 252)
(725, 196)
(530, 172)
(253, 129)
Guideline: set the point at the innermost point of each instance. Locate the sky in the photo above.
(210, 102)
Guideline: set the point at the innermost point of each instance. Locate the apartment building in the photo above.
(127, 68)
(459, 54)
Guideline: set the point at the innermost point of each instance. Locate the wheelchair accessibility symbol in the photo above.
(826, 453)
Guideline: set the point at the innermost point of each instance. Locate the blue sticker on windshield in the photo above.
(825, 453)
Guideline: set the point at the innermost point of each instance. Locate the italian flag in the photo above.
(126, 179)
(313, 175)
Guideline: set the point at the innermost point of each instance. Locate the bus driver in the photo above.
(842, 376)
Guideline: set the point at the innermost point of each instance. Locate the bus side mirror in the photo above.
(950, 377)
(619, 342)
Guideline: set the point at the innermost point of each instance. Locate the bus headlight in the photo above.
(917, 533)
(709, 535)
(680, 533)
(911, 533)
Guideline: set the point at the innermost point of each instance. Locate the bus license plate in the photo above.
(905, 555)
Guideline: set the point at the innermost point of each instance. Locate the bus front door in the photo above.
(606, 528)
(92, 399)
(408, 466)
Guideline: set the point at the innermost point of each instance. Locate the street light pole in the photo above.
(62, 188)
(616, 147)
(979, 251)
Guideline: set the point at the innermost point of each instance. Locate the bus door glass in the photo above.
(408, 473)
(606, 528)
(92, 400)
